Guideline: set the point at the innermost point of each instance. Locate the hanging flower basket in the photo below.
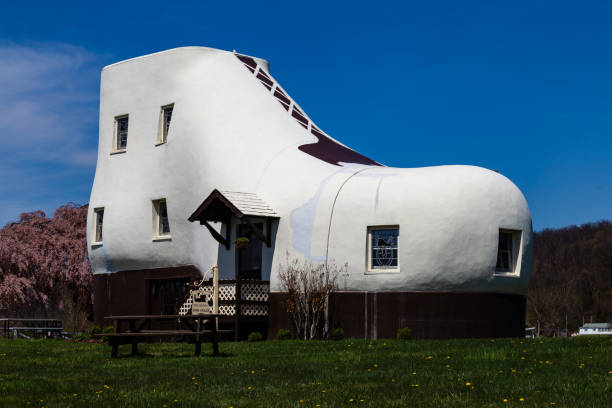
(241, 242)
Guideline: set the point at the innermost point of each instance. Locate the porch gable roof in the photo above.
(219, 206)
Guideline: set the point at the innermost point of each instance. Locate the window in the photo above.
(161, 226)
(166, 295)
(98, 222)
(121, 133)
(507, 251)
(164, 123)
(383, 245)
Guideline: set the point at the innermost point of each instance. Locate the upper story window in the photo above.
(165, 119)
(161, 224)
(98, 222)
(121, 133)
(383, 249)
(507, 251)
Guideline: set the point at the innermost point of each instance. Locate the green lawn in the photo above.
(573, 372)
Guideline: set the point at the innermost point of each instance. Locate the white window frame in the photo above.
(158, 235)
(95, 238)
(116, 148)
(369, 268)
(162, 132)
(516, 256)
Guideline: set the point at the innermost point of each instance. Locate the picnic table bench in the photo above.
(189, 328)
(45, 327)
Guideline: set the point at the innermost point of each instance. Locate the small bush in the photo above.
(404, 333)
(255, 336)
(337, 334)
(81, 337)
(93, 330)
(108, 329)
(283, 335)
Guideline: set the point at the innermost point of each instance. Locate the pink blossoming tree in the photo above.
(44, 269)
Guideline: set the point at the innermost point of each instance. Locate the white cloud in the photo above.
(49, 102)
(48, 126)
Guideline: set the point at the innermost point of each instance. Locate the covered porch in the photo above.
(246, 237)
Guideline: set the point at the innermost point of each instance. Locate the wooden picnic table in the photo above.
(134, 329)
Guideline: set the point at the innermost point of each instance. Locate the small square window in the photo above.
(164, 123)
(121, 133)
(161, 225)
(507, 252)
(98, 222)
(383, 249)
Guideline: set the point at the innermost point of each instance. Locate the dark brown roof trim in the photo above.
(325, 149)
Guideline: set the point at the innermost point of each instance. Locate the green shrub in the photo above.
(255, 336)
(108, 329)
(283, 335)
(81, 337)
(404, 333)
(337, 334)
(93, 330)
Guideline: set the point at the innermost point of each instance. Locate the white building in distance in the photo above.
(595, 328)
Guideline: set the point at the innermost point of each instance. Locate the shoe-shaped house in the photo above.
(199, 146)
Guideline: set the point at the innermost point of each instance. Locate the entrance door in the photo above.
(249, 258)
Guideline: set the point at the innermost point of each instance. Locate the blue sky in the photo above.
(521, 87)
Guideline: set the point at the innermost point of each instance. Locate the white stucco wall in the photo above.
(228, 132)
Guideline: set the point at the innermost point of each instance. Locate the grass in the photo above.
(574, 372)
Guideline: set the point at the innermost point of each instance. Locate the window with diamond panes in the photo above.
(383, 248)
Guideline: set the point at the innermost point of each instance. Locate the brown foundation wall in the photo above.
(430, 315)
(127, 292)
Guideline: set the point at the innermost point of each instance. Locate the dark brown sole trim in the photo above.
(430, 315)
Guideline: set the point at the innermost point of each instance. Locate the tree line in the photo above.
(571, 280)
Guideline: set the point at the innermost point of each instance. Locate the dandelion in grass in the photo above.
(522, 399)
(506, 400)
(468, 384)
(249, 388)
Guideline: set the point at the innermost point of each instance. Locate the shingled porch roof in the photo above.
(221, 206)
